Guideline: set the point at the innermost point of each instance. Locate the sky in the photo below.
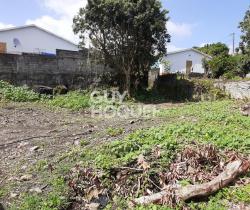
(192, 22)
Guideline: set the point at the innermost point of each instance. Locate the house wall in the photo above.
(178, 62)
(34, 40)
(66, 68)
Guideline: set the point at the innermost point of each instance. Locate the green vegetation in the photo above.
(73, 100)
(17, 94)
(218, 123)
(222, 63)
(215, 49)
(244, 45)
(139, 30)
(115, 131)
(56, 199)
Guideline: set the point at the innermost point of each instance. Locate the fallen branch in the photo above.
(232, 171)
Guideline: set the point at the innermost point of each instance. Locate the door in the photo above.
(189, 65)
(3, 47)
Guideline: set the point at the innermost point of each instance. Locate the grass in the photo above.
(219, 123)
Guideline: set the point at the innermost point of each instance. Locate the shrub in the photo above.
(223, 64)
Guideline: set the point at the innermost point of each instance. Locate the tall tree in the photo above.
(245, 42)
(131, 34)
(215, 49)
(222, 63)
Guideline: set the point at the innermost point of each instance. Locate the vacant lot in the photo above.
(64, 158)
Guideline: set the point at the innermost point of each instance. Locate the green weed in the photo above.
(115, 131)
(75, 100)
(17, 94)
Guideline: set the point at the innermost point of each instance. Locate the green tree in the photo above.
(245, 42)
(131, 34)
(215, 49)
(223, 65)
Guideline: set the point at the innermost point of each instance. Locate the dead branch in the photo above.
(232, 171)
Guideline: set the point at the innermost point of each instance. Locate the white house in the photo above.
(32, 39)
(184, 61)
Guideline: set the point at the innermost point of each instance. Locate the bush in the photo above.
(223, 64)
(17, 94)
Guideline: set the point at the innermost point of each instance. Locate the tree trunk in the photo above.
(232, 171)
(128, 82)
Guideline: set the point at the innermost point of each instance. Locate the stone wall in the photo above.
(69, 68)
(236, 90)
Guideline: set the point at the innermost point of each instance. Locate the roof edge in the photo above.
(40, 28)
(188, 49)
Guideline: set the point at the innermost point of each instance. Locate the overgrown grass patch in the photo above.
(75, 100)
(17, 94)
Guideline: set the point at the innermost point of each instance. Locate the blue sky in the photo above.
(207, 20)
(192, 22)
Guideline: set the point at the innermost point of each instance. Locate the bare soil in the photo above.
(32, 132)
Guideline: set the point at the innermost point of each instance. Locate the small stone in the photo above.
(13, 195)
(36, 190)
(77, 142)
(132, 122)
(191, 170)
(93, 206)
(23, 144)
(26, 177)
(35, 148)
(24, 167)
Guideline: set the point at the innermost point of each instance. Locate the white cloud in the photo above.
(179, 29)
(64, 7)
(3, 25)
(65, 10)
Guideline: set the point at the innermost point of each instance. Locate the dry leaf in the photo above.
(142, 163)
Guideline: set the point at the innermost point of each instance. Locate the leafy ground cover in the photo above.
(109, 175)
(17, 94)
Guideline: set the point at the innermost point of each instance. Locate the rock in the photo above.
(24, 167)
(60, 90)
(36, 190)
(43, 90)
(35, 148)
(236, 90)
(26, 177)
(248, 75)
(13, 195)
(93, 206)
(132, 122)
(245, 110)
(23, 144)
(77, 143)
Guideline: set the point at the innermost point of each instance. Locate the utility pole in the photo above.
(233, 35)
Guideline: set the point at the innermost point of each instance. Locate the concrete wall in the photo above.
(178, 61)
(32, 39)
(66, 68)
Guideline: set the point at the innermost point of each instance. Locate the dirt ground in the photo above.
(29, 133)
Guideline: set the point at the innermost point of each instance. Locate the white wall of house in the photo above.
(32, 39)
(178, 61)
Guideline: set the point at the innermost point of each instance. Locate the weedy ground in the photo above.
(80, 161)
